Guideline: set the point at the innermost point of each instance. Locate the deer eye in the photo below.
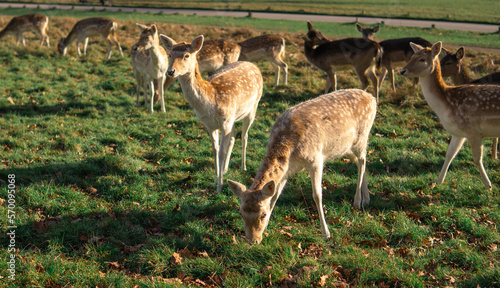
(186, 56)
(263, 216)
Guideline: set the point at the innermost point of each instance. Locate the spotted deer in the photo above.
(469, 112)
(397, 52)
(230, 95)
(270, 47)
(36, 23)
(352, 53)
(91, 27)
(305, 137)
(150, 63)
(138, 58)
(452, 65)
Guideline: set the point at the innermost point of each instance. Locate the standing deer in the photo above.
(397, 52)
(469, 112)
(90, 27)
(352, 53)
(305, 137)
(150, 64)
(453, 66)
(230, 95)
(36, 23)
(268, 47)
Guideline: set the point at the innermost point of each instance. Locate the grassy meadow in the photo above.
(484, 11)
(108, 195)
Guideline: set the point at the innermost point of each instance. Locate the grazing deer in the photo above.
(150, 63)
(304, 137)
(90, 27)
(36, 23)
(268, 47)
(453, 66)
(469, 112)
(397, 52)
(230, 95)
(352, 53)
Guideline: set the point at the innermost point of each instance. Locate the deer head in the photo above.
(61, 47)
(451, 63)
(255, 208)
(182, 55)
(314, 37)
(422, 62)
(148, 37)
(367, 32)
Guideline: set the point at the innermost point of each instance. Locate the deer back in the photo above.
(237, 87)
(261, 47)
(329, 125)
(399, 50)
(341, 53)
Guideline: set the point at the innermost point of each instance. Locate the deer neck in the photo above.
(5, 31)
(434, 90)
(309, 52)
(198, 92)
(462, 77)
(72, 36)
(157, 57)
(276, 164)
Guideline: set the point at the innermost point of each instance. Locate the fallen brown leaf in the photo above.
(322, 281)
(176, 259)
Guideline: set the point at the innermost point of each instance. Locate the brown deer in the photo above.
(230, 95)
(36, 23)
(305, 137)
(150, 63)
(352, 53)
(452, 65)
(270, 47)
(469, 112)
(397, 52)
(90, 27)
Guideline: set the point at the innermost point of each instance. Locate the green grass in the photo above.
(107, 194)
(484, 11)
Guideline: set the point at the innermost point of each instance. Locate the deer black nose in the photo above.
(402, 72)
(170, 72)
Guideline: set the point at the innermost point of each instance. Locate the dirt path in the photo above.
(485, 28)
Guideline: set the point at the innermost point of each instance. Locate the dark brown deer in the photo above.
(397, 52)
(358, 54)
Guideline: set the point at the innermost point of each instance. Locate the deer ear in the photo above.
(460, 53)
(376, 28)
(197, 44)
(360, 28)
(237, 188)
(141, 26)
(269, 189)
(415, 47)
(167, 42)
(309, 26)
(436, 48)
(154, 29)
